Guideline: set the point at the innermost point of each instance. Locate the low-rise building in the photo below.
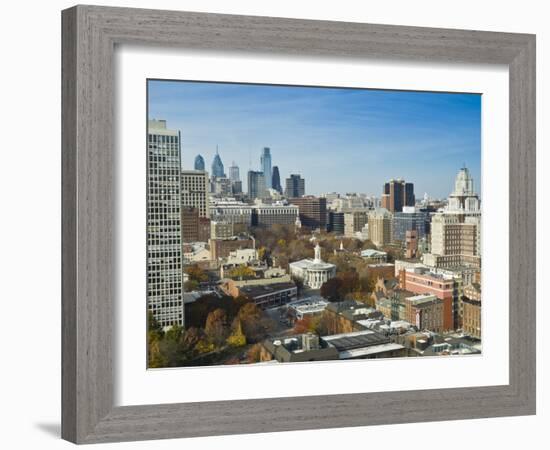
(425, 312)
(381, 270)
(306, 307)
(364, 344)
(471, 311)
(313, 272)
(265, 216)
(221, 248)
(374, 256)
(195, 252)
(348, 316)
(444, 286)
(264, 292)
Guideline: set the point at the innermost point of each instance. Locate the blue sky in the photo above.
(343, 140)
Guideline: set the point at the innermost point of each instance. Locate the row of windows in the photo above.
(162, 138)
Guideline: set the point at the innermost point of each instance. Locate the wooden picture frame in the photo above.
(90, 34)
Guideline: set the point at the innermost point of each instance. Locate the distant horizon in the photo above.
(338, 139)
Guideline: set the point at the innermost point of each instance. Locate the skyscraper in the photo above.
(256, 184)
(295, 186)
(396, 194)
(234, 172)
(217, 166)
(276, 180)
(463, 198)
(164, 258)
(199, 162)
(265, 161)
(313, 211)
(380, 224)
(194, 190)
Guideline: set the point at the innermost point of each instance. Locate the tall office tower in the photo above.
(234, 174)
(220, 187)
(265, 161)
(164, 250)
(354, 221)
(380, 224)
(336, 222)
(396, 194)
(256, 185)
(313, 211)
(455, 241)
(194, 190)
(276, 180)
(410, 219)
(217, 166)
(463, 198)
(236, 187)
(199, 163)
(295, 186)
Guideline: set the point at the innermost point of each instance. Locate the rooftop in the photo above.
(355, 340)
(371, 253)
(260, 290)
(309, 305)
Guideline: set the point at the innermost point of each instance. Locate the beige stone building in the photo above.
(380, 224)
(455, 241)
(194, 191)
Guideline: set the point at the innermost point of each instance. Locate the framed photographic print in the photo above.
(278, 224)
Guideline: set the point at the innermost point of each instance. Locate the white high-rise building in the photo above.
(463, 199)
(164, 250)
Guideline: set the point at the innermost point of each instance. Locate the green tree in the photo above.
(153, 326)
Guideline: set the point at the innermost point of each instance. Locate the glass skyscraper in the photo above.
(199, 163)
(234, 174)
(217, 166)
(276, 180)
(406, 221)
(256, 185)
(265, 161)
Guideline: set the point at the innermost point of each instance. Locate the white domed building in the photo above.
(313, 272)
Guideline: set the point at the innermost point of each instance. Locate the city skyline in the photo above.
(440, 130)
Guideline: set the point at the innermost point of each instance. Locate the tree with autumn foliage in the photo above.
(241, 272)
(216, 328)
(254, 353)
(195, 273)
(305, 325)
(331, 289)
(237, 337)
(255, 325)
